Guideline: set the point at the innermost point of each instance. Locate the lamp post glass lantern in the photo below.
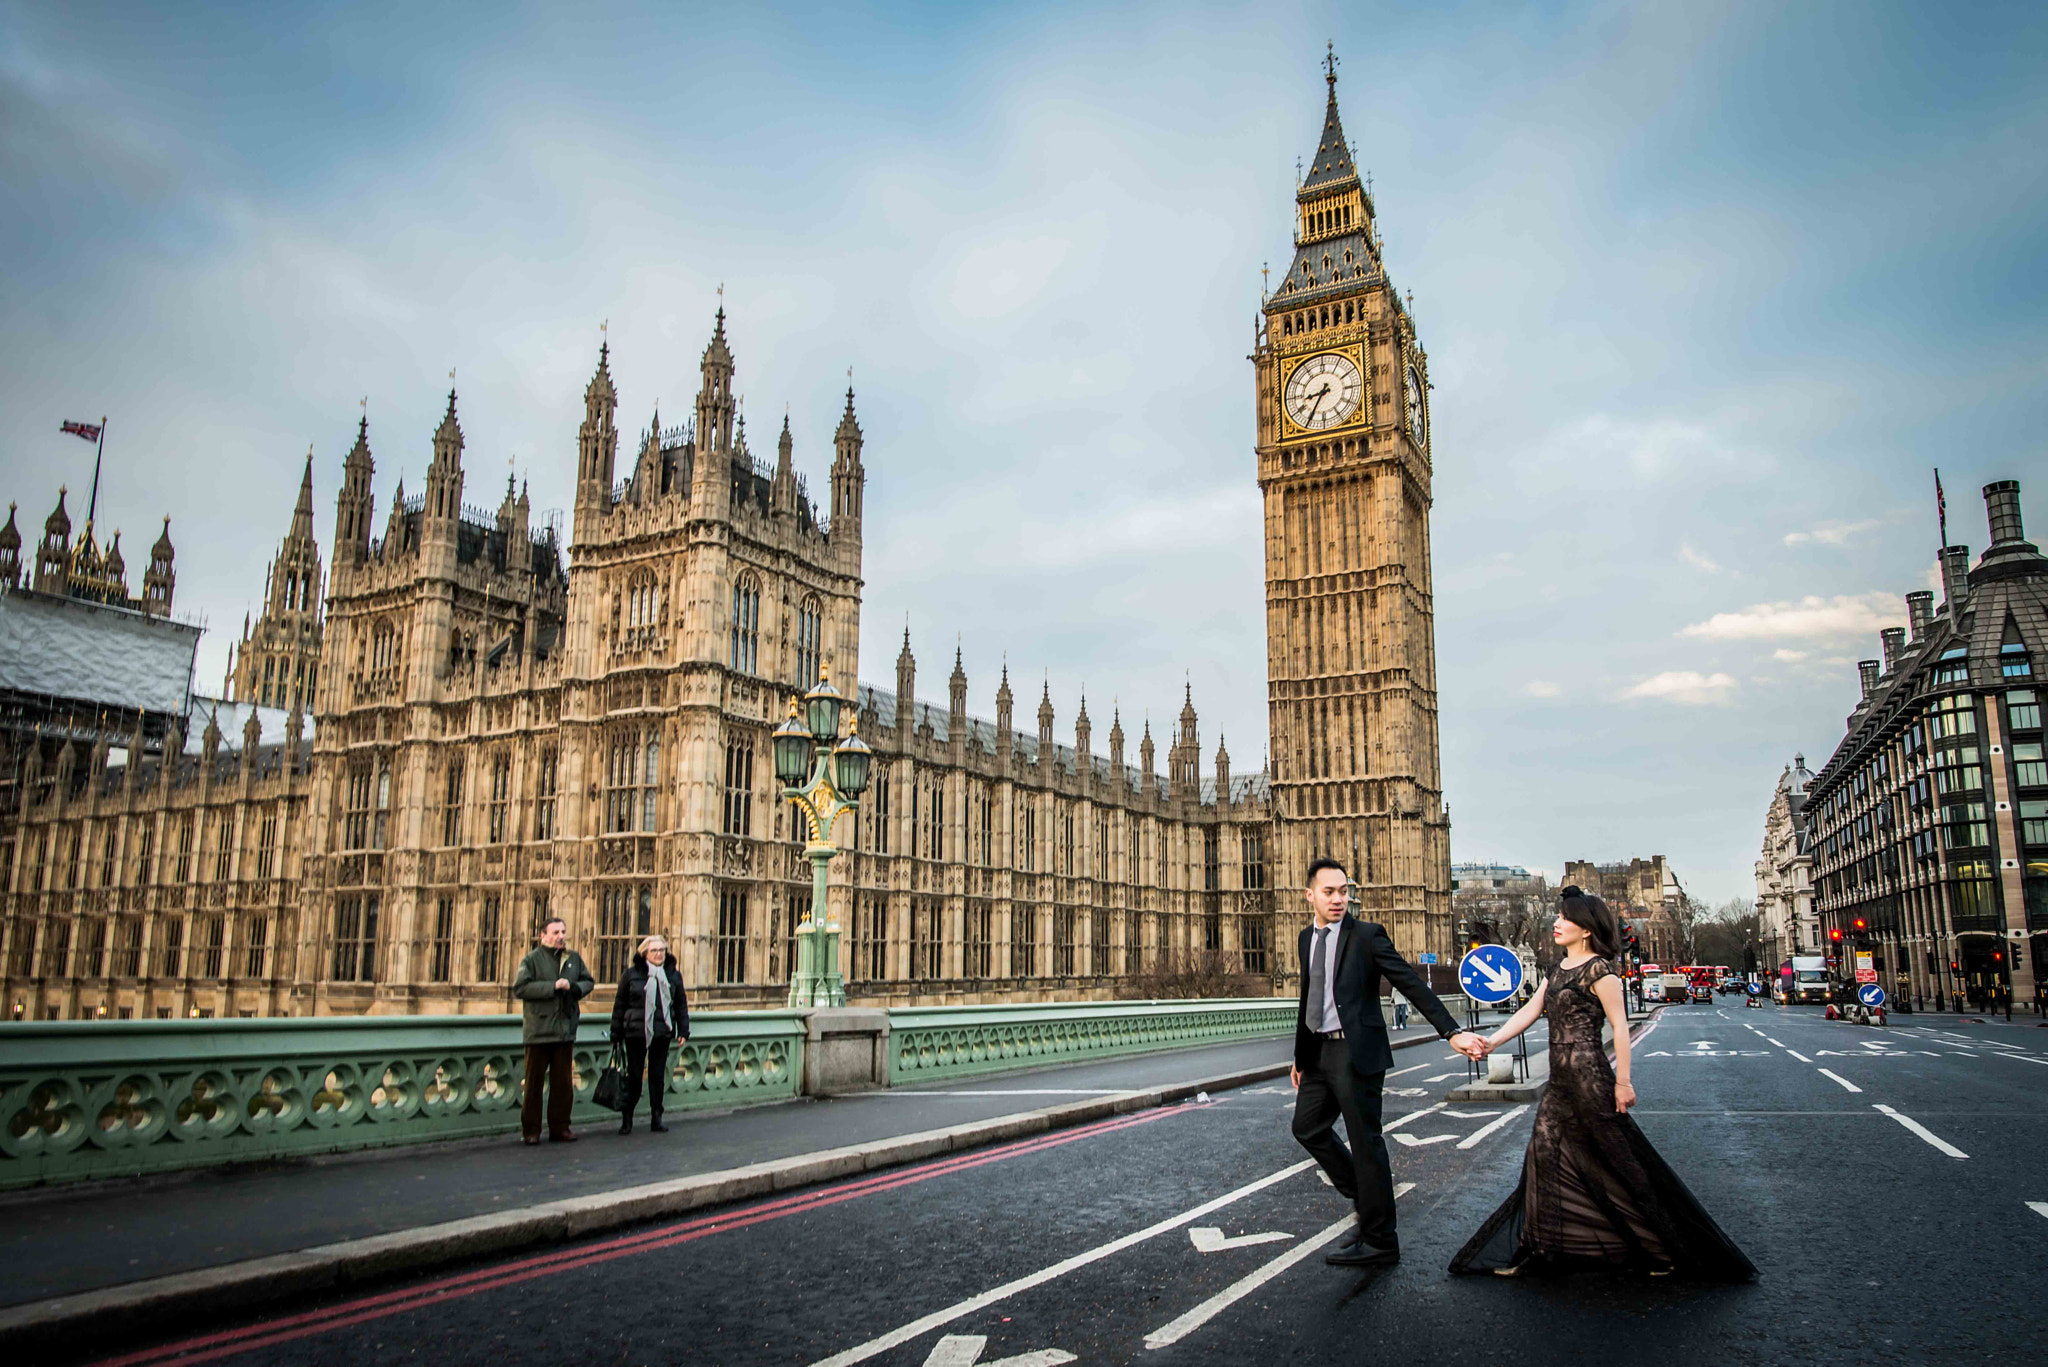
(823, 776)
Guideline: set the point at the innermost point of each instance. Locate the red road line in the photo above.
(291, 1328)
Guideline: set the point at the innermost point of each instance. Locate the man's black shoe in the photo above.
(1362, 1255)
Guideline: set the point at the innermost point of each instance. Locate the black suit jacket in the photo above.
(1364, 956)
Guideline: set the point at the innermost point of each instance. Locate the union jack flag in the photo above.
(89, 430)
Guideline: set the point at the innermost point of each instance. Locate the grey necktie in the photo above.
(1315, 981)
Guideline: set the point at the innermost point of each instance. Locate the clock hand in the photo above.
(1315, 405)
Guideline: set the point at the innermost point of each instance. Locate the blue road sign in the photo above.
(1870, 994)
(1425, 958)
(1490, 973)
(1756, 989)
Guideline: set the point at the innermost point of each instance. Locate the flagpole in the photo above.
(1941, 507)
(99, 450)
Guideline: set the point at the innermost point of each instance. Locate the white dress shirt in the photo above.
(1330, 934)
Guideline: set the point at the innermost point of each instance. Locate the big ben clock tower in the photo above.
(1344, 466)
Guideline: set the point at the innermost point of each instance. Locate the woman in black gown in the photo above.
(1593, 1191)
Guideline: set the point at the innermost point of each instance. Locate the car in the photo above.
(1702, 993)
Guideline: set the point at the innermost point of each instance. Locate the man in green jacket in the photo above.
(550, 984)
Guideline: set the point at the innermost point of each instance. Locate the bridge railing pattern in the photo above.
(81, 1099)
(86, 1099)
(932, 1043)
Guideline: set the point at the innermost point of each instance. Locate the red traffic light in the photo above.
(1835, 934)
(1861, 925)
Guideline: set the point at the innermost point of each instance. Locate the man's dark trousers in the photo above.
(1360, 1172)
(553, 1062)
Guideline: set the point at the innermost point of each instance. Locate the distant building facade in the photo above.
(1646, 894)
(1505, 903)
(1930, 820)
(1787, 922)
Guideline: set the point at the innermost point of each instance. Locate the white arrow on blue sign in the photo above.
(1490, 973)
(1870, 994)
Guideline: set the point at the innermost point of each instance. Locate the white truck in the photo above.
(1809, 981)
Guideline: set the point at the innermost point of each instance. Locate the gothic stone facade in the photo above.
(1344, 466)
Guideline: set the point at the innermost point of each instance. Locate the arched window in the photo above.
(746, 625)
(650, 773)
(643, 610)
(810, 642)
(383, 649)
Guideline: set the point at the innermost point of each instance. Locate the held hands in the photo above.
(1471, 1045)
(561, 984)
(1624, 1097)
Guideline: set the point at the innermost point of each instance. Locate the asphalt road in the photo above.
(1880, 1179)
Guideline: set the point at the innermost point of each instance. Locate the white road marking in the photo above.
(1470, 1115)
(1173, 1331)
(1488, 1129)
(964, 1350)
(1412, 1115)
(1209, 1239)
(1030, 1091)
(903, 1334)
(2039, 1208)
(1930, 1136)
(2024, 1058)
(1445, 1077)
(1410, 1141)
(1957, 1053)
(1409, 1069)
(1779, 1043)
(1795, 1053)
(1846, 1084)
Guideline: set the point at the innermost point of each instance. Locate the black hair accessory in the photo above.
(1572, 890)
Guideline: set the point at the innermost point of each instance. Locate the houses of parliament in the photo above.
(447, 725)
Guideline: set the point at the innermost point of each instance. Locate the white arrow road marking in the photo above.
(1407, 1091)
(1702, 1044)
(964, 1350)
(1209, 1239)
(1412, 1142)
(1174, 1331)
(1847, 1085)
(924, 1324)
(1489, 1128)
(1412, 1115)
(2039, 1208)
(1930, 1136)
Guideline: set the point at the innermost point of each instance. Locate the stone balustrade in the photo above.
(87, 1099)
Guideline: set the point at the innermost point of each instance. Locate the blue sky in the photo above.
(1707, 291)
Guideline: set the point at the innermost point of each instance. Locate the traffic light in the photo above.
(1834, 935)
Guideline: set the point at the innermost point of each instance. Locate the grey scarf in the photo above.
(656, 1005)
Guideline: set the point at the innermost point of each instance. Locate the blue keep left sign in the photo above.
(1870, 994)
(1490, 973)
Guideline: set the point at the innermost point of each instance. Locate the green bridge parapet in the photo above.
(89, 1099)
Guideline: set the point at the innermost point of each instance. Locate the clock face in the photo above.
(1323, 391)
(1416, 418)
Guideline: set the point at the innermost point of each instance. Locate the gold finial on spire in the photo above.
(1330, 62)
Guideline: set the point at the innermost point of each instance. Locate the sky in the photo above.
(1708, 292)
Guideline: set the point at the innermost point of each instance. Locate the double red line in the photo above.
(268, 1333)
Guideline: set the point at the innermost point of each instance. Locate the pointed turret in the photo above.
(1116, 744)
(1045, 720)
(354, 506)
(783, 493)
(711, 477)
(161, 580)
(1005, 713)
(597, 441)
(956, 691)
(1146, 782)
(848, 475)
(10, 551)
(53, 554)
(906, 685)
(302, 515)
(444, 475)
(1084, 735)
(1222, 772)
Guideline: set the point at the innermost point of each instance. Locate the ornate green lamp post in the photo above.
(823, 776)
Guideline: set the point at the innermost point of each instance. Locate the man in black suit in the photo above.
(1341, 1056)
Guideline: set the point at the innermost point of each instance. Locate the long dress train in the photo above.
(1593, 1190)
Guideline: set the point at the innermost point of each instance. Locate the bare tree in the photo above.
(1727, 933)
(1185, 974)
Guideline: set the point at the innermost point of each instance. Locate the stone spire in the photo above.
(10, 551)
(1005, 716)
(848, 476)
(1045, 724)
(355, 506)
(597, 439)
(444, 475)
(161, 579)
(1332, 165)
(906, 685)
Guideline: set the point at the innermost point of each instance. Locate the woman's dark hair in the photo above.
(1589, 913)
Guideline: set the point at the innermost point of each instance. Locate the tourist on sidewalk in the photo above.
(550, 985)
(649, 1012)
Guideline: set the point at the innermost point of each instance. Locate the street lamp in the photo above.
(823, 776)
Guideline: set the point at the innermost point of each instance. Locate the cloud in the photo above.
(1831, 533)
(1809, 618)
(1789, 657)
(1696, 560)
(1540, 688)
(1687, 686)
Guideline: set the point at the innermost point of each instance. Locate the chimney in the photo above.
(2002, 503)
(1919, 610)
(1867, 670)
(1955, 580)
(1894, 639)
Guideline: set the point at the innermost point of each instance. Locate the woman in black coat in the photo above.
(649, 1012)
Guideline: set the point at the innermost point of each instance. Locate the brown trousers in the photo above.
(552, 1063)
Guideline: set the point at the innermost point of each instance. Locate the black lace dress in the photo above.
(1593, 1191)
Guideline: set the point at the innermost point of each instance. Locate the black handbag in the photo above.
(606, 1093)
